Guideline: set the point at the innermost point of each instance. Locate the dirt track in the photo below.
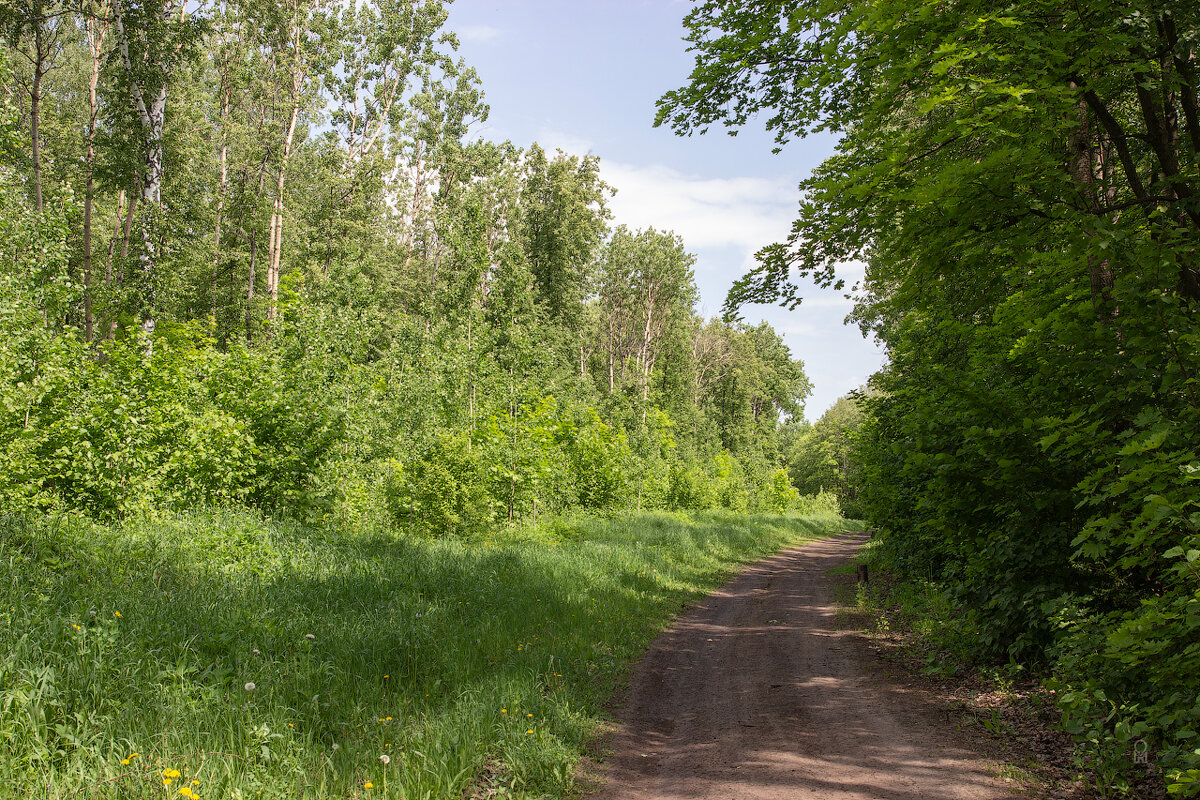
(758, 694)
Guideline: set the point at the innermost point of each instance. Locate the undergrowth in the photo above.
(222, 655)
(942, 637)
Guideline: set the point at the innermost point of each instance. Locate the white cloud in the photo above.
(552, 140)
(479, 33)
(746, 213)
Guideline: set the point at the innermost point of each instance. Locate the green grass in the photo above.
(459, 662)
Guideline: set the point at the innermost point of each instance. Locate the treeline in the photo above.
(1024, 185)
(253, 255)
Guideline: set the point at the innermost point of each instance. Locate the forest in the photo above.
(256, 257)
(300, 374)
(333, 434)
(1023, 182)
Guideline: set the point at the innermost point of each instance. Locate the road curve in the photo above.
(758, 694)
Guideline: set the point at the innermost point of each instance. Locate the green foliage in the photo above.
(600, 461)
(443, 490)
(729, 483)
(822, 504)
(780, 494)
(690, 487)
(820, 457)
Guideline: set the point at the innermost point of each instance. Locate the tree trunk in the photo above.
(222, 190)
(250, 289)
(1083, 161)
(151, 116)
(276, 242)
(275, 246)
(35, 103)
(95, 34)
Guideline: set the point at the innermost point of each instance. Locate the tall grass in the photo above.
(221, 655)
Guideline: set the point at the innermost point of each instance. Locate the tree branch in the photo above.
(1120, 141)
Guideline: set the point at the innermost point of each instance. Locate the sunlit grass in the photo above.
(224, 656)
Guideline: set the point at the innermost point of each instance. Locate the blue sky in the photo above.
(583, 76)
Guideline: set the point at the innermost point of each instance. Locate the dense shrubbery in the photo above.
(489, 354)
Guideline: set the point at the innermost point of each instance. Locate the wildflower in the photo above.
(385, 677)
(250, 687)
(76, 627)
(309, 636)
(529, 715)
(255, 652)
(385, 759)
(125, 762)
(117, 614)
(368, 785)
(187, 792)
(166, 781)
(504, 711)
(529, 731)
(335, 746)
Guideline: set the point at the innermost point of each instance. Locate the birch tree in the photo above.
(153, 39)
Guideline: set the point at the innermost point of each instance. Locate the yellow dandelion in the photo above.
(368, 785)
(187, 792)
(529, 731)
(166, 781)
(125, 762)
(117, 614)
(529, 715)
(504, 711)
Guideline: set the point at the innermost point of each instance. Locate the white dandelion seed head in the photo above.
(255, 651)
(309, 636)
(335, 745)
(385, 759)
(250, 687)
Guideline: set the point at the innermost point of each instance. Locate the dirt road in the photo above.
(756, 694)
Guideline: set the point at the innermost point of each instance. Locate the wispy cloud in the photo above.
(746, 213)
(480, 33)
(552, 140)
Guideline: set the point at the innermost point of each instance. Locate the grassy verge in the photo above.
(223, 656)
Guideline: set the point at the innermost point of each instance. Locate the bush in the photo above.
(442, 491)
(690, 488)
(778, 494)
(822, 504)
(729, 482)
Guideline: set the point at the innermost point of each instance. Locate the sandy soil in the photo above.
(759, 693)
